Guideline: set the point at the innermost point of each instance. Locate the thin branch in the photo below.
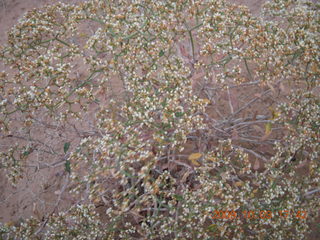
(249, 103)
(252, 152)
(230, 103)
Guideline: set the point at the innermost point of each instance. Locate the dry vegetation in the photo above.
(140, 119)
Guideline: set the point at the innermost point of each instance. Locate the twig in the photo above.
(249, 103)
(312, 192)
(235, 86)
(230, 103)
(55, 207)
(181, 163)
(247, 123)
(247, 67)
(252, 152)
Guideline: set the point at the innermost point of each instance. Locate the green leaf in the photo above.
(179, 114)
(212, 228)
(66, 147)
(161, 53)
(67, 166)
(178, 197)
(26, 153)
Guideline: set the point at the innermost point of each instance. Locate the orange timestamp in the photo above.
(258, 214)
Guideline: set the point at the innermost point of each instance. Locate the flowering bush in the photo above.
(162, 112)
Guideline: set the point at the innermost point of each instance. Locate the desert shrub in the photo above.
(124, 88)
(78, 222)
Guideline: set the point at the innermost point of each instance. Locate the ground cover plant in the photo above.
(166, 119)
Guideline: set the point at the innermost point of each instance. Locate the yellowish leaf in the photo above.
(268, 128)
(212, 159)
(239, 183)
(194, 157)
(195, 163)
(83, 35)
(253, 193)
(206, 100)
